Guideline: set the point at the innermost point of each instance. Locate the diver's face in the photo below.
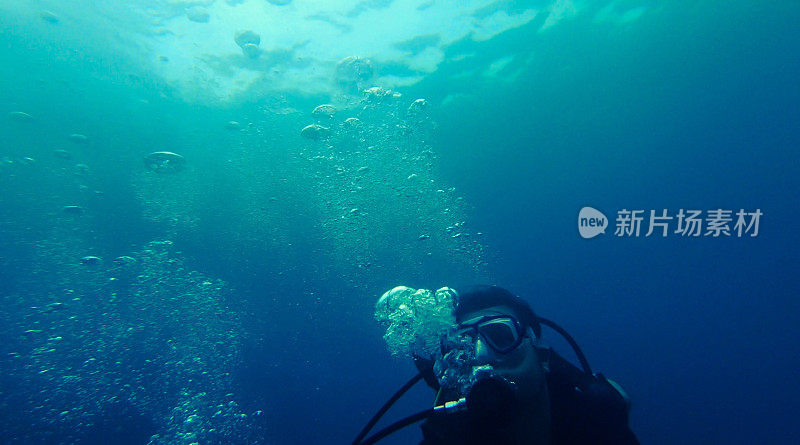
(520, 365)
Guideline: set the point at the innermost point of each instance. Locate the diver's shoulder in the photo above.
(586, 409)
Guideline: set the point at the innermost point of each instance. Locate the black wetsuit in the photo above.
(583, 410)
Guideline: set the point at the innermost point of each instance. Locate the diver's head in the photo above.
(483, 297)
(505, 330)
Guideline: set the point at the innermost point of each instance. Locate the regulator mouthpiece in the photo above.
(491, 399)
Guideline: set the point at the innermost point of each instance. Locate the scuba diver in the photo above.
(496, 382)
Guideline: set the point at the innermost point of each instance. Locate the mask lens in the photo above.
(501, 333)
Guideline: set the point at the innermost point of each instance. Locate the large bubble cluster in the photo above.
(420, 323)
(354, 73)
(415, 320)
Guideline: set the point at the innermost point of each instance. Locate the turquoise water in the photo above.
(232, 299)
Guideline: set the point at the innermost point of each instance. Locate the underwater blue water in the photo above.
(257, 317)
(698, 110)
